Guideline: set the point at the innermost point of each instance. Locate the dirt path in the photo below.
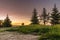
(16, 36)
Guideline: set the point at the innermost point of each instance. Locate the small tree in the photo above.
(7, 22)
(44, 16)
(34, 19)
(55, 16)
(1, 23)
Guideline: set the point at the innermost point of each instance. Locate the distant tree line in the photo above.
(54, 17)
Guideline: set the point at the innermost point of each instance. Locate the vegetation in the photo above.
(0, 23)
(50, 37)
(55, 16)
(7, 22)
(44, 15)
(53, 34)
(45, 32)
(31, 29)
(34, 19)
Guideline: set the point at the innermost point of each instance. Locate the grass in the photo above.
(53, 34)
(31, 29)
(45, 32)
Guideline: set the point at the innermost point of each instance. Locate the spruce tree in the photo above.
(7, 22)
(44, 16)
(34, 19)
(55, 16)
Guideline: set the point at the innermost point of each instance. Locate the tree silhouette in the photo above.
(55, 16)
(0, 23)
(7, 22)
(44, 16)
(34, 19)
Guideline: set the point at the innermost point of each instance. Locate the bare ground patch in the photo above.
(17, 36)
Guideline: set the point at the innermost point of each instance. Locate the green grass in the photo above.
(32, 29)
(45, 32)
(53, 34)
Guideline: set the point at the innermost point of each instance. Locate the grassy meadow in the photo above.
(45, 32)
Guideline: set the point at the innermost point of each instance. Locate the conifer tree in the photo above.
(44, 16)
(34, 19)
(7, 22)
(55, 16)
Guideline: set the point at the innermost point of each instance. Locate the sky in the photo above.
(20, 11)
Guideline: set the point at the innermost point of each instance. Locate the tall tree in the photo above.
(44, 16)
(34, 19)
(55, 16)
(7, 22)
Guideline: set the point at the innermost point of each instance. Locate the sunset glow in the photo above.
(20, 11)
